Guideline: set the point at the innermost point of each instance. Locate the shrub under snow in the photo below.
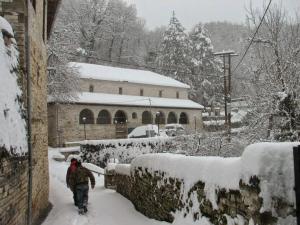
(120, 150)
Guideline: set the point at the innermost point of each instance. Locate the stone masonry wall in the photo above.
(112, 87)
(159, 197)
(15, 12)
(13, 190)
(38, 55)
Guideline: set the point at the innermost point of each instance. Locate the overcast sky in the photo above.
(190, 12)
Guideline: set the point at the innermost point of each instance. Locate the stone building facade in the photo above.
(14, 170)
(113, 101)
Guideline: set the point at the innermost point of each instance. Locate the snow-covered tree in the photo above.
(205, 68)
(275, 71)
(63, 80)
(174, 57)
(106, 31)
(124, 34)
(201, 51)
(152, 41)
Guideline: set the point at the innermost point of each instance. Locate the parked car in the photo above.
(144, 131)
(174, 129)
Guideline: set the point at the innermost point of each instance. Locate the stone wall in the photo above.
(256, 188)
(13, 190)
(64, 121)
(112, 87)
(39, 139)
(15, 12)
(159, 197)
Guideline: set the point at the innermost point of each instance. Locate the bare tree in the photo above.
(63, 80)
(276, 75)
(93, 31)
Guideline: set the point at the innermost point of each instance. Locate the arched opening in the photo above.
(120, 117)
(146, 117)
(172, 118)
(134, 115)
(86, 116)
(183, 119)
(104, 117)
(160, 118)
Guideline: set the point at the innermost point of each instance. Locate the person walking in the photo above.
(71, 169)
(79, 182)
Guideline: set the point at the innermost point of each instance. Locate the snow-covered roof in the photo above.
(99, 72)
(130, 100)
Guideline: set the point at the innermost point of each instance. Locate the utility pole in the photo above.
(227, 55)
(150, 102)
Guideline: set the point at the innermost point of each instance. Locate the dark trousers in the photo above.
(74, 197)
(82, 191)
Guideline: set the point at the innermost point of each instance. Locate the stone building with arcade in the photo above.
(115, 100)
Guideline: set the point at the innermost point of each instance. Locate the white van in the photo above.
(144, 131)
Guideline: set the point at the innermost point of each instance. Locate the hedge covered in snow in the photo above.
(13, 125)
(256, 188)
(124, 150)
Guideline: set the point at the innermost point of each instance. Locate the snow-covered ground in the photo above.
(106, 207)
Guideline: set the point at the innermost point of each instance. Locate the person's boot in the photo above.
(81, 211)
(85, 206)
(85, 209)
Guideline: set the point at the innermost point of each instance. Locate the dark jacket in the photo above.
(81, 176)
(71, 169)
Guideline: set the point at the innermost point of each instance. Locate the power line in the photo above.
(252, 39)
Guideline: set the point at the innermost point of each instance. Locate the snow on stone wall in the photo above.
(13, 126)
(124, 150)
(257, 187)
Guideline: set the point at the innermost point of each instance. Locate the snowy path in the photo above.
(106, 207)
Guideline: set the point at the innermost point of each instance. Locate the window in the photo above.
(86, 116)
(91, 88)
(134, 115)
(160, 93)
(141, 92)
(120, 90)
(177, 94)
(104, 117)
